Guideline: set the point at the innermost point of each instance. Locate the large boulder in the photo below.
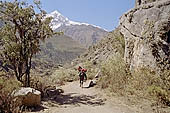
(146, 29)
(28, 96)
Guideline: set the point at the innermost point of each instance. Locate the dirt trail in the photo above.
(83, 100)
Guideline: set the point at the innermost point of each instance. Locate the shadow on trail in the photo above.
(37, 108)
(73, 99)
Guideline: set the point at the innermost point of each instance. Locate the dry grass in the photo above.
(41, 83)
(59, 77)
(113, 75)
(8, 104)
(65, 75)
(62, 75)
(92, 69)
(142, 83)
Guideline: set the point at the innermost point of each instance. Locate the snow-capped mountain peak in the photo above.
(85, 34)
(60, 20)
(55, 13)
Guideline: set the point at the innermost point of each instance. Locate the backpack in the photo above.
(84, 70)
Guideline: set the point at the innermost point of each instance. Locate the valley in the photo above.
(128, 68)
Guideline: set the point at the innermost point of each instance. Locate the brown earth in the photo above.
(84, 100)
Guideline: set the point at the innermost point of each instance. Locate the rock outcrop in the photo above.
(141, 2)
(146, 29)
(28, 96)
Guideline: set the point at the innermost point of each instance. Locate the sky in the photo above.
(103, 13)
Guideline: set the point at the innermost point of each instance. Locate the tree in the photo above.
(20, 36)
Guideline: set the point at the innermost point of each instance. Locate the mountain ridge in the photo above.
(59, 50)
(57, 16)
(86, 34)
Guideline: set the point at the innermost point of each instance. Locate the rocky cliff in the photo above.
(146, 29)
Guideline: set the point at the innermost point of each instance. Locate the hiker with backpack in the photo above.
(82, 75)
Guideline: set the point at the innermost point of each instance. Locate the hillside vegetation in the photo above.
(107, 58)
(132, 61)
(109, 46)
(59, 50)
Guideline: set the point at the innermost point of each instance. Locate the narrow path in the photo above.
(83, 100)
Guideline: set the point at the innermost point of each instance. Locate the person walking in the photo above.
(82, 75)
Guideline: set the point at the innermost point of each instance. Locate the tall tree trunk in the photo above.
(27, 79)
(27, 75)
(19, 78)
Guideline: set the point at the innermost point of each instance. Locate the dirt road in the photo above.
(83, 100)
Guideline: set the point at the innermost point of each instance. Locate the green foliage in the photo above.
(9, 84)
(21, 34)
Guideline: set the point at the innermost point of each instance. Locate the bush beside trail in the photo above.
(142, 83)
(8, 104)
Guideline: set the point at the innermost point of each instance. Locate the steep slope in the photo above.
(59, 50)
(109, 46)
(84, 33)
(147, 32)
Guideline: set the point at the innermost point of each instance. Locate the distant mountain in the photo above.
(59, 50)
(84, 33)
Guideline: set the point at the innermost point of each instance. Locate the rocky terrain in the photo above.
(128, 62)
(146, 29)
(145, 36)
(109, 46)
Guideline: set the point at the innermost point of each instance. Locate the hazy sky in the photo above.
(103, 13)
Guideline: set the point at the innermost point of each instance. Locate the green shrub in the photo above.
(118, 42)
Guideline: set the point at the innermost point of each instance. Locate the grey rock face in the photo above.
(140, 2)
(146, 29)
